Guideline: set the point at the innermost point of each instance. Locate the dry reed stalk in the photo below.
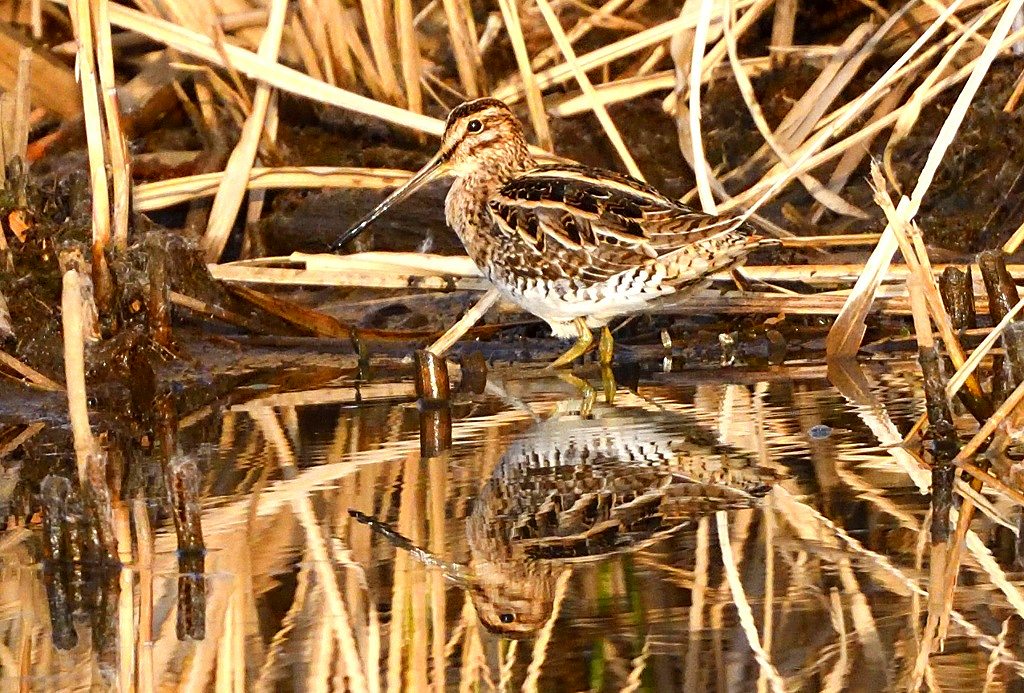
(739, 597)
(808, 156)
(825, 196)
(783, 27)
(639, 666)
(847, 332)
(852, 158)
(314, 28)
(611, 52)
(167, 193)
(257, 198)
(30, 431)
(911, 111)
(74, 369)
(304, 47)
(957, 380)
(272, 73)
(116, 146)
(716, 55)
(799, 122)
(908, 237)
(335, 604)
(359, 68)
(836, 679)
(22, 105)
(82, 23)
(467, 60)
(467, 321)
(695, 620)
(534, 102)
(379, 32)
(506, 663)
(411, 523)
(698, 159)
(616, 91)
(264, 681)
(437, 490)
(582, 27)
(409, 54)
(32, 377)
(996, 655)
(1014, 241)
(551, 19)
(540, 645)
(236, 173)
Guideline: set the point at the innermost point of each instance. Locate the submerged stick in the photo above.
(434, 390)
(1002, 298)
(957, 290)
(182, 479)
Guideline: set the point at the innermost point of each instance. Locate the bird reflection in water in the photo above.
(573, 489)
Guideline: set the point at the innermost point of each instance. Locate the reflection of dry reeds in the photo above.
(229, 61)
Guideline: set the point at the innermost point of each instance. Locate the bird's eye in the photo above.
(504, 618)
(474, 126)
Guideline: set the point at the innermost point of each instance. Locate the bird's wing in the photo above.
(601, 222)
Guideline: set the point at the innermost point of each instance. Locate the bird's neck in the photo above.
(473, 188)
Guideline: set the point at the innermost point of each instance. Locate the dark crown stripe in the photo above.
(471, 107)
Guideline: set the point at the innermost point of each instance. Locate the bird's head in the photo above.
(481, 137)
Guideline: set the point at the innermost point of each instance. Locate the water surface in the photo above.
(717, 530)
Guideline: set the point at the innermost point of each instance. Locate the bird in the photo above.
(573, 245)
(573, 489)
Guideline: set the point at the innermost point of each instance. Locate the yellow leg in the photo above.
(587, 394)
(586, 338)
(608, 381)
(606, 346)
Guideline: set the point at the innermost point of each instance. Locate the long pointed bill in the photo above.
(455, 572)
(435, 168)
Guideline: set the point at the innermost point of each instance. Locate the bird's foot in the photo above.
(587, 395)
(583, 342)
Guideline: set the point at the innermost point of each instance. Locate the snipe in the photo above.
(574, 489)
(575, 246)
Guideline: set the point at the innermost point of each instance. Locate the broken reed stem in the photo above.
(909, 240)
(74, 370)
(957, 290)
(236, 173)
(467, 321)
(31, 375)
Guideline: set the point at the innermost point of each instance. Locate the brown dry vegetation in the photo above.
(199, 144)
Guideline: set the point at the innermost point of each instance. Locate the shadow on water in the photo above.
(716, 530)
